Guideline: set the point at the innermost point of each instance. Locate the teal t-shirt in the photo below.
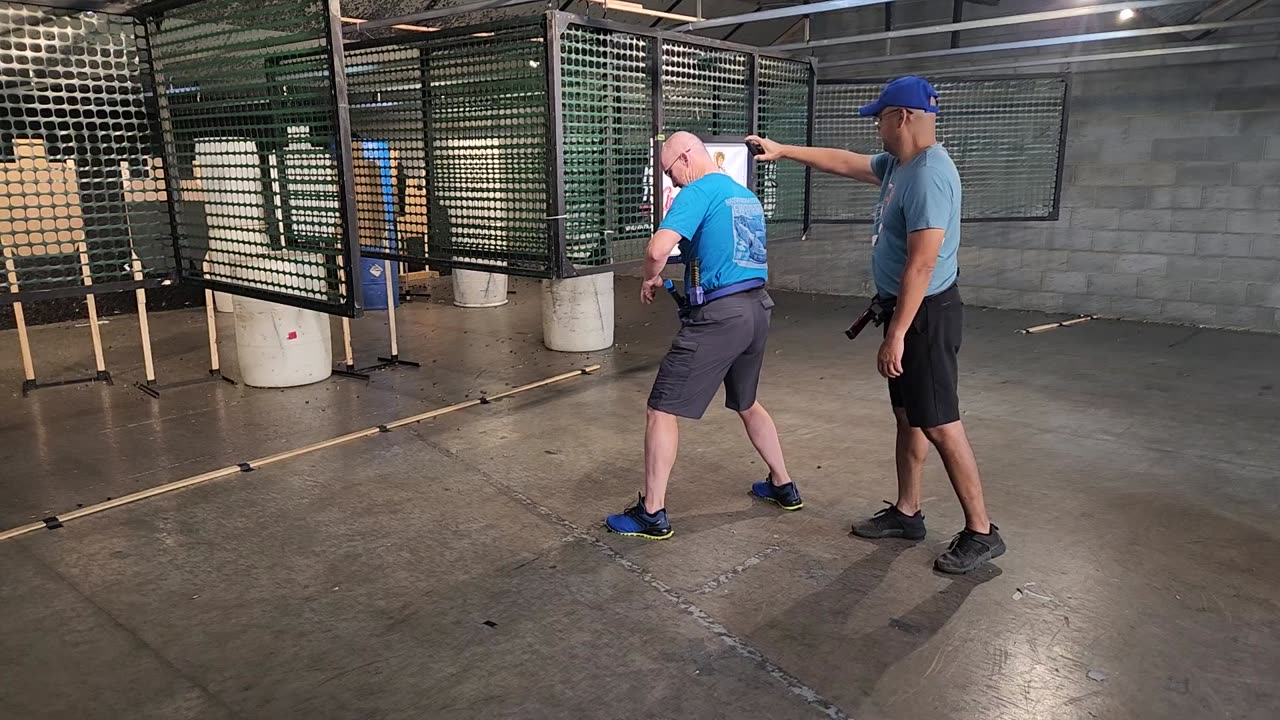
(722, 224)
(924, 193)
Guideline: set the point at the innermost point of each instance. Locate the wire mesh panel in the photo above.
(1004, 134)
(704, 90)
(74, 132)
(388, 115)
(783, 115)
(836, 124)
(488, 137)
(1006, 138)
(251, 121)
(607, 95)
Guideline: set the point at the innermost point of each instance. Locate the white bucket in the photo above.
(577, 313)
(281, 346)
(475, 289)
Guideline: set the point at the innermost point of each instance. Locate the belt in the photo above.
(889, 303)
(881, 310)
(731, 289)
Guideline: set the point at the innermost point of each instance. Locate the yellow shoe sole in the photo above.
(775, 502)
(644, 536)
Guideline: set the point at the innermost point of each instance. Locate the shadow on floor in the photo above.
(827, 628)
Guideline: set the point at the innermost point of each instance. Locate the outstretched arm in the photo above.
(827, 160)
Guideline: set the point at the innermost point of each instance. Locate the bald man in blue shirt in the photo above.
(720, 227)
(915, 236)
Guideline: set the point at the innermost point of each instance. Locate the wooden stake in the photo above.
(24, 344)
(144, 325)
(211, 321)
(19, 318)
(391, 308)
(92, 303)
(254, 464)
(1050, 326)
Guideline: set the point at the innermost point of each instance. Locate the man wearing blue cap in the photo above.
(915, 236)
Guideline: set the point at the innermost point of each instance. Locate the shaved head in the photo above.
(685, 158)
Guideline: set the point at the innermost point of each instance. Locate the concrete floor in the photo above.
(456, 568)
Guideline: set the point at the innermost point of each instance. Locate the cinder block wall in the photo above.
(1170, 202)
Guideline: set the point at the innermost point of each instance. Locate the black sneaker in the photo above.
(891, 523)
(969, 549)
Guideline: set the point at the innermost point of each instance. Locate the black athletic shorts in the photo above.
(927, 387)
(720, 342)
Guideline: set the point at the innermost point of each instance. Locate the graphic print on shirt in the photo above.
(748, 232)
(877, 215)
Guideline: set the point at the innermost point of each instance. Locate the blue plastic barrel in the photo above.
(373, 280)
(373, 270)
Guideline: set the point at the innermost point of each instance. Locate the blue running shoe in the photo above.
(787, 496)
(635, 522)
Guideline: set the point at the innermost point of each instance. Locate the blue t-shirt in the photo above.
(924, 193)
(722, 224)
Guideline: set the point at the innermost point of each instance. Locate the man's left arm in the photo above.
(922, 256)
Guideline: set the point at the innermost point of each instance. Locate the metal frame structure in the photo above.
(999, 21)
(1055, 212)
(554, 24)
(1103, 57)
(558, 21)
(349, 256)
(778, 13)
(1058, 40)
(557, 209)
(555, 139)
(98, 288)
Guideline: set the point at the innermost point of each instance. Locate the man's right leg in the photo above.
(661, 438)
(687, 381)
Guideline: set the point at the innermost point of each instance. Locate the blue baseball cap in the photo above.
(907, 92)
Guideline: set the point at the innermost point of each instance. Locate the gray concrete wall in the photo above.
(1170, 201)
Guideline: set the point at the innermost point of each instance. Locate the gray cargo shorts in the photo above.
(720, 342)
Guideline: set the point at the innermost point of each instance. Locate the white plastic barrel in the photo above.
(577, 313)
(475, 289)
(280, 346)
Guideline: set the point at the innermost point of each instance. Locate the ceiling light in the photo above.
(1127, 14)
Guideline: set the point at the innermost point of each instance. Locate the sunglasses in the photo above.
(683, 154)
(878, 118)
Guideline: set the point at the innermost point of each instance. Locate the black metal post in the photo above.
(957, 15)
(430, 248)
(557, 214)
(659, 120)
(168, 146)
(350, 237)
(753, 112)
(808, 171)
(1055, 211)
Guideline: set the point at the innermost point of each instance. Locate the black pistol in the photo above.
(873, 312)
